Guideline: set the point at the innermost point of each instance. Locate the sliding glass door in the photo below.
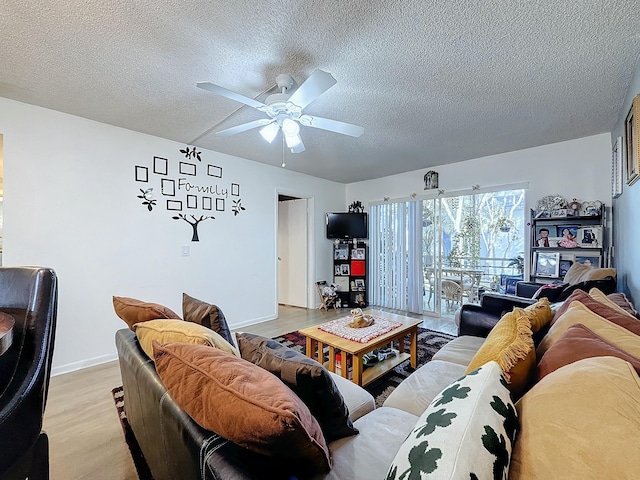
(430, 256)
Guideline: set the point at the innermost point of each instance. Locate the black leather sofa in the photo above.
(478, 320)
(174, 446)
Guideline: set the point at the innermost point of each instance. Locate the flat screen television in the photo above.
(347, 225)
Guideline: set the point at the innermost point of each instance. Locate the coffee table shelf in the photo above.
(318, 339)
(374, 372)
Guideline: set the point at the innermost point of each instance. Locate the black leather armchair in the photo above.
(29, 295)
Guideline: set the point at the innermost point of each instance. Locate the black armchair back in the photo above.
(30, 296)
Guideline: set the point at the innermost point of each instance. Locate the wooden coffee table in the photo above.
(317, 339)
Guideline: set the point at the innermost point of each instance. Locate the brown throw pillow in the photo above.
(207, 315)
(623, 302)
(576, 343)
(306, 377)
(623, 319)
(242, 403)
(133, 311)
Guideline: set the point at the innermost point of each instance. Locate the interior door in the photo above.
(292, 252)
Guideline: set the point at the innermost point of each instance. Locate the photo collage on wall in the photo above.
(189, 189)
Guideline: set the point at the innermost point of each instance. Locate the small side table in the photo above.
(6, 332)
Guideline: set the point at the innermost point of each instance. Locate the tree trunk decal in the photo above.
(194, 223)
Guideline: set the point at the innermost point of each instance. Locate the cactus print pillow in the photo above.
(467, 432)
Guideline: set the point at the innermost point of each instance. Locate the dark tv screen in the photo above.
(347, 225)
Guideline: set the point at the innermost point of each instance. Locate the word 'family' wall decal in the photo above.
(182, 189)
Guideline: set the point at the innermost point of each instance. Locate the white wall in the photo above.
(70, 204)
(578, 168)
(626, 214)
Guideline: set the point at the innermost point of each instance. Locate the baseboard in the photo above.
(253, 321)
(90, 362)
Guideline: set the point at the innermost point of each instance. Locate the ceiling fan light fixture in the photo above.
(292, 140)
(269, 132)
(290, 127)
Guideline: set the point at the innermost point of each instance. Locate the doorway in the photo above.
(293, 250)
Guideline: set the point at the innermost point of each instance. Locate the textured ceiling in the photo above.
(431, 82)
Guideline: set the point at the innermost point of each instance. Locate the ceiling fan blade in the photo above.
(332, 125)
(218, 90)
(227, 132)
(314, 86)
(299, 148)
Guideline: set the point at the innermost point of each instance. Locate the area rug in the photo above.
(136, 454)
(429, 342)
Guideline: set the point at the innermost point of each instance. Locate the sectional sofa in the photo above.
(504, 406)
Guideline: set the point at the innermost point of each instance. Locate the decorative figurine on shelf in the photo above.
(356, 207)
(359, 319)
(574, 207)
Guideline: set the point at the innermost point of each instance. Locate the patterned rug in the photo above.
(136, 454)
(429, 342)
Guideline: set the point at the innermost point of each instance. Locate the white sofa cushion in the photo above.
(467, 432)
(368, 455)
(460, 350)
(415, 392)
(358, 400)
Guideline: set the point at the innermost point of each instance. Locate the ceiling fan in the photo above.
(285, 110)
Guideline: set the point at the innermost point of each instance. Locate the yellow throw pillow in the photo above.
(579, 313)
(178, 331)
(597, 294)
(510, 344)
(539, 314)
(579, 422)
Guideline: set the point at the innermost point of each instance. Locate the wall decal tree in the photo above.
(193, 222)
(147, 198)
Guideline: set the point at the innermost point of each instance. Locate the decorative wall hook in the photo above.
(440, 192)
(413, 195)
(475, 187)
(386, 199)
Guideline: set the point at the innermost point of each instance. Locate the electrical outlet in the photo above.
(186, 250)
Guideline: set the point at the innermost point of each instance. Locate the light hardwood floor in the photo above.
(86, 440)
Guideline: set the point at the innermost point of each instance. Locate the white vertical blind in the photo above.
(396, 253)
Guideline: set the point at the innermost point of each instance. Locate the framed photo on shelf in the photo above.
(337, 270)
(546, 264)
(567, 235)
(342, 284)
(565, 265)
(542, 236)
(359, 284)
(344, 269)
(357, 254)
(341, 254)
(590, 237)
(592, 261)
(632, 141)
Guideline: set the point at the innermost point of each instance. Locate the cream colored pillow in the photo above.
(580, 422)
(578, 313)
(597, 294)
(581, 273)
(178, 331)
